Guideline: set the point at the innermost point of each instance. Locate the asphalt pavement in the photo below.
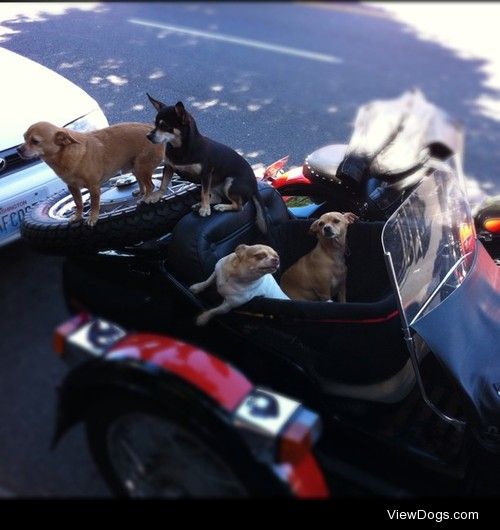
(267, 79)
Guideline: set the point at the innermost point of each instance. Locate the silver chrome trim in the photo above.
(410, 344)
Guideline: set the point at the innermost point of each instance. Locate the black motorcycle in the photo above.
(404, 378)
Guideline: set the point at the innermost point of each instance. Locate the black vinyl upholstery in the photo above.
(367, 279)
(199, 242)
(358, 342)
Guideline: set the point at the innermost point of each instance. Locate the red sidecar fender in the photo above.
(214, 377)
(283, 424)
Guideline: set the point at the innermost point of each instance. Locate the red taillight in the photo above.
(299, 437)
(296, 456)
(492, 225)
(66, 329)
(295, 443)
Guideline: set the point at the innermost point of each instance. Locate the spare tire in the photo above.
(122, 220)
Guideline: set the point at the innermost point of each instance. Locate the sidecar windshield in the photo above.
(431, 242)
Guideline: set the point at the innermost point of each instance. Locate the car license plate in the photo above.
(13, 212)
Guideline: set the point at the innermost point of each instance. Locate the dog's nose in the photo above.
(275, 262)
(328, 230)
(19, 150)
(150, 136)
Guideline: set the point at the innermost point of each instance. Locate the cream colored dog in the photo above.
(87, 160)
(321, 274)
(241, 276)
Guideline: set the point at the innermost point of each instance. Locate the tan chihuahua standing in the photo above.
(321, 274)
(87, 160)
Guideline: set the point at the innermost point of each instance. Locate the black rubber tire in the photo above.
(145, 222)
(191, 418)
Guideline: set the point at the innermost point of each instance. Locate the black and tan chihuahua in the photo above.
(223, 173)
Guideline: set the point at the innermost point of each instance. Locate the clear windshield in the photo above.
(431, 242)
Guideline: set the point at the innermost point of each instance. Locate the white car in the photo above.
(29, 94)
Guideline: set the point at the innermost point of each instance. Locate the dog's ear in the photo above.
(350, 217)
(314, 228)
(158, 105)
(240, 250)
(181, 112)
(64, 138)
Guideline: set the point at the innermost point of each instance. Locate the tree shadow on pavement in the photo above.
(256, 100)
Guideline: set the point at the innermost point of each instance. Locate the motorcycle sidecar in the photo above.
(354, 349)
(346, 361)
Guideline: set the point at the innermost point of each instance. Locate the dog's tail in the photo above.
(260, 215)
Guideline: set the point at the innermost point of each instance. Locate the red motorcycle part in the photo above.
(227, 387)
(291, 178)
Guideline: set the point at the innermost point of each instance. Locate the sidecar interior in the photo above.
(353, 345)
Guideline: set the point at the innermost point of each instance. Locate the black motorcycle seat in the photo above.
(199, 242)
(321, 166)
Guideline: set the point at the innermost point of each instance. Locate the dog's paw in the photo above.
(196, 288)
(92, 220)
(203, 319)
(204, 211)
(75, 218)
(153, 197)
(220, 207)
(196, 206)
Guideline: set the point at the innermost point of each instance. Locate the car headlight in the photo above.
(90, 122)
